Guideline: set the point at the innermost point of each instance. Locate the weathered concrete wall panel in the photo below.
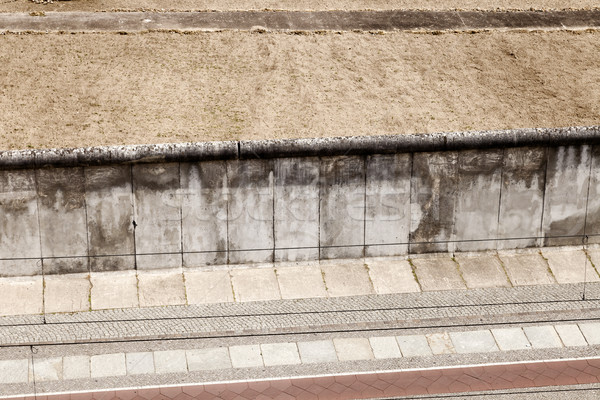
(522, 198)
(433, 194)
(109, 202)
(157, 215)
(565, 200)
(296, 209)
(204, 212)
(342, 210)
(388, 204)
(478, 200)
(592, 228)
(63, 224)
(250, 211)
(20, 251)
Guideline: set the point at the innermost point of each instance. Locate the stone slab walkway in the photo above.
(406, 20)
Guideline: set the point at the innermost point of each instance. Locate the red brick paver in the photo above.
(459, 379)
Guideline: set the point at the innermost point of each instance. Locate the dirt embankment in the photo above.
(95, 89)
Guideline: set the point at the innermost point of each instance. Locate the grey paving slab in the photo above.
(385, 347)
(67, 293)
(280, 354)
(19, 227)
(414, 346)
(353, 349)
(140, 363)
(522, 199)
(157, 215)
(22, 295)
(256, 284)
(346, 278)
(170, 362)
(246, 356)
(591, 331)
(342, 212)
(526, 267)
(14, 371)
(296, 206)
(570, 335)
(387, 204)
(570, 265)
(76, 367)
(473, 342)
(440, 343)
(205, 287)
(250, 211)
(104, 365)
(482, 270)
(48, 369)
(161, 287)
(302, 281)
(117, 289)
(592, 222)
(478, 199)
(317, 351)
(565, 199)
(542, 337)
(109, 205)
(391, 275)
(63, 225)
(204, 213)
(432, 211)
(437, 272)
(511, 339)
(208, 359)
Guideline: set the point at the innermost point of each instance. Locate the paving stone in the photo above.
(511, 339)
(542, 337)
(482, 270)
(437, 272)
(353, 349)
(76, 367)
(14, 371)
(67, 293)
(526, 267)
(591, 331)
(205, 287)
(414, 345)
(570, 335)
(440, 343)
(104, 365)
(116, 289)
(280, 354)
(570, 265)
(391, 275)
(21, 295)
(473, 342)
(170, 362)
(385, 347)
(594, 256)
(318, 351)
(140, 363)
(48, 369)
(161, 287)
(346, 277)
(255, 284)
(208, 359)
(303, 281)
(246, 356)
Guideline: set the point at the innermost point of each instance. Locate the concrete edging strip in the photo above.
(317, 147)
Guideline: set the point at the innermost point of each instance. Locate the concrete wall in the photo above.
(172, 214)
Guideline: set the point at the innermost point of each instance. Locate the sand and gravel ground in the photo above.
(221, 5)
(95, 89)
